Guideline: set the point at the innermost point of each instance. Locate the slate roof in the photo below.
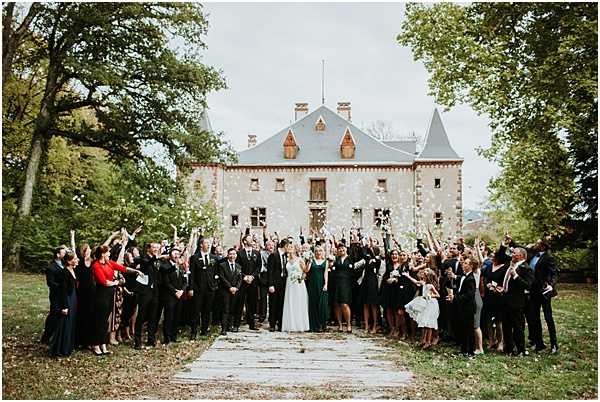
(437, 146)
(323, 147)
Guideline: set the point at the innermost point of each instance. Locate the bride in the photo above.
(295, 302)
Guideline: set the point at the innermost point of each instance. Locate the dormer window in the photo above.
(347, 145)
(320, 124)
(381, 185)
(290, 147)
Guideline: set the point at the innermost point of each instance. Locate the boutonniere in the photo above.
(216, 276)
(350, 265)
(401, 287)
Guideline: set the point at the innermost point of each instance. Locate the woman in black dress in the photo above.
(369, 289)
(86, 287)
(493, 279)
(406, 326)
(343, 268)
(62, 340)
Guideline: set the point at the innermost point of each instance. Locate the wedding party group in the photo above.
(438, 292)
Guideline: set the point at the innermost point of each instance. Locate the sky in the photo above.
(270, 55)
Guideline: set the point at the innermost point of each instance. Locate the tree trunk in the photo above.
(7, 36)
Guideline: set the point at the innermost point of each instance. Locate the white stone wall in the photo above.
(347, 188)
(447, 199)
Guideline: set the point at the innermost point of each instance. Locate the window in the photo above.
(437, 183)
(382, 185)
(438, 218)
(253, 184)
(258, 217)
(357, 217)
(381, 217)
(235, 221)
(279, 184)
(320, 125)
(318, 190)
(198, 185)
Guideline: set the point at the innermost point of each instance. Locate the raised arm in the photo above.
(110, 238)
(123, 243)
(174, 234)
(72, 240)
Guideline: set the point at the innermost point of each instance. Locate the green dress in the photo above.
(318, 305)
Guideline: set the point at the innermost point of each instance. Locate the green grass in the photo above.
(28, 372)
(570, 374)
(438, 374)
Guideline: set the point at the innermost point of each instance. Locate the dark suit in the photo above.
(204, 283)
(172, 280)
(448, 314)
(148, 300)
(544, 274)
(248, 294)
(276, 277)
(464, 300)
(262, 287)
(514, 301)
(228, 279)
(54, 279)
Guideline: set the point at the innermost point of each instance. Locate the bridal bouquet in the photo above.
(297, 276)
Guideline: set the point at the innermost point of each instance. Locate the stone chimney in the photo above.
(251, 140)
(300, 110)
(344, 109)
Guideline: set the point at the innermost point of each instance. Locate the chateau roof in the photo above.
(323, 147)
(437, 146)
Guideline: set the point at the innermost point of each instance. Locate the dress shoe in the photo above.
(223, 332)
(539, 348)
(554, 349)
(271, 329)
(203, 332)
(151, 344)
(236, 329)
(192, 337)
(253, 328)
(137, 346)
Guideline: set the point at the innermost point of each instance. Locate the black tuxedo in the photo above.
(147, 297)
(248, 294)
(464, 300)
(172, 280)
(448, 315)
(262, 286)
(514, 302)
(54, 279)
(204, 283)
(276, 277)
(229, 279)
(545, 273)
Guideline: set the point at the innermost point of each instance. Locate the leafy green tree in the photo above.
(532, 68)
(119, 62)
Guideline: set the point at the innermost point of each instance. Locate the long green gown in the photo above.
(318, 304)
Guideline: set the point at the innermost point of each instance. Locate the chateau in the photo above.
(323, 173)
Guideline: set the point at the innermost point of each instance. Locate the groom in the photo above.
(276, 278)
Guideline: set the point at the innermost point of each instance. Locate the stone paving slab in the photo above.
(295, 360)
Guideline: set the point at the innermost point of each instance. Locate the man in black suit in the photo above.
(172, 288)
(464, 300)
(542, 290)
(451, 273)
(204, 284)
(517, 282)
(263, 281)
(54, 280)
(230, 275)
(276, 277)
(249, 260)
(147, 296)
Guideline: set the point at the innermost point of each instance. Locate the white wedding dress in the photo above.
(295, 303)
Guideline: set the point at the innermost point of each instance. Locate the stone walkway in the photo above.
(255, 360)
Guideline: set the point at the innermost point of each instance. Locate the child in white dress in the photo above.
(424, 309)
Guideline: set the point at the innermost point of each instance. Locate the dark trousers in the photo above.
(446, 319)
(172, 308)
(465, 331)
(535, 323)
(227, 302)
(203, 302)
(276, 306)
(102, 307)
(247, 296)
(513, 329)
(148, 308)
(262, 303)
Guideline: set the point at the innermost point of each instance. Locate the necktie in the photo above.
(206, 260)
(506, 279)
(462, 279)
(284, 261)
(232, 267)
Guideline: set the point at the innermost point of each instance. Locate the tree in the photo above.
(532, 68)
(118, 61)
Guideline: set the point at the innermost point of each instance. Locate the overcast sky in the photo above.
(271, 53)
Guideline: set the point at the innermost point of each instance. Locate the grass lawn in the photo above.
(570, 374)
(27, 372)
(129, 374)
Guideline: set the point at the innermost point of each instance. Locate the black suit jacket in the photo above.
(227, 278)
(515, 296)
(465, 298)
(250, 264)
(202, 277)
(276, 274)
(54, 280)
(150, 266)
(544, 274)
(171, 281)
